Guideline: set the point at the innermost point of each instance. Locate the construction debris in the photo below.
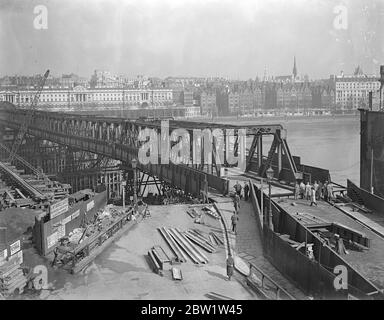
(211, 212)
(12, 277)
(219, 240)
(217, 296)
(154, 263)
(176, 274)
(162, 258)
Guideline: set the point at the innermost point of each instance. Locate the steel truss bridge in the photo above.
(118, 139)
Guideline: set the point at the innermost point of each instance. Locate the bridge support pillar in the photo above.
(259, 151)
(279, 159)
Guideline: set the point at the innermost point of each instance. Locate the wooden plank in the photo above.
(200, 235)
(212, 239)
(182, 243)
(176, 274)
(155, 265)
(199, 243)
(181, 257)
(217, 238)
(85, 261)
(203, 258)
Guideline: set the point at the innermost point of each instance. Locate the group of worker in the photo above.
(240, 191)
(314, 192)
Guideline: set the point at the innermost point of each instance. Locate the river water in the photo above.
(331, 143)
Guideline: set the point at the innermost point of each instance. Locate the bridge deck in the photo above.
(369, 263)
(374, 221)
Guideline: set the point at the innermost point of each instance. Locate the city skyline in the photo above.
(191, 38)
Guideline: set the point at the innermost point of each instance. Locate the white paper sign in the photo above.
(15, 247)
(58, 208)
(66, 220)
(75, 214)
(61, 231)
(90, 205)
(52, 240)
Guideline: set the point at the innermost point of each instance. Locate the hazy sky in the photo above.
(233, 38)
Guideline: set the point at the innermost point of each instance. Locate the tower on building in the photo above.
(294, 68)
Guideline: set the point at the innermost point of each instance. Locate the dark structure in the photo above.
(372, 151)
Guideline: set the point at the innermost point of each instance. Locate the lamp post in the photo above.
(269, 178)
(134, 165)
(123, 184)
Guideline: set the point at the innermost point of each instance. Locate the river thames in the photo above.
(331, 143)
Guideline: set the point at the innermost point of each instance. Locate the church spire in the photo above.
(294, 68)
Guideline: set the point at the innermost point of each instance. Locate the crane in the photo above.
(25, 124)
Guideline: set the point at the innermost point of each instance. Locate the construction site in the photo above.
(82, 218)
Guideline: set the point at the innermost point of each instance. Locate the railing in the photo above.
(87, 251)
(279, 292)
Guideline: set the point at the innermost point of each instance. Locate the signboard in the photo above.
(66, 220)
(75, 214)
(60, 231)
(90, 205)
(15, 247)
(58, 208)
(52, 240)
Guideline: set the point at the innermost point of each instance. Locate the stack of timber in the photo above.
(295, 244)
(199, 240)
(209, 210)
(196, 210)
(12, 277)
(187, 244)
(216, 238)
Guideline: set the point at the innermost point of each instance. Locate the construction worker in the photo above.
(330, 191)
(230, 266)
(246, 191)
(234, 220)
(302, 189)
(297, 190)
(308, 191)
(238, 188)
(319, 192)
(316, 186)
(236, 203)
(325, 191)
(313, 197)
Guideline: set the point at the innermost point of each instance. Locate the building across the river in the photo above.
(80, 95)
(352, 92)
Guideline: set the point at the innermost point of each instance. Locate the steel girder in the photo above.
(119, 138)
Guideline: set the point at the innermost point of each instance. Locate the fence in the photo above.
(47, 232)
(315, 277)
(370, 200)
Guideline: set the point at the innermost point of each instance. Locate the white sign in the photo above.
(66, 220)
(58, 208)
(15, 247)
(75, 214)
(52, 240)
(90, 205)
(61, 231)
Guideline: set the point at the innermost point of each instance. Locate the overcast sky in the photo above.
(231, 38)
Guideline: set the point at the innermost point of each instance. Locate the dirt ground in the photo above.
(122, 272)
